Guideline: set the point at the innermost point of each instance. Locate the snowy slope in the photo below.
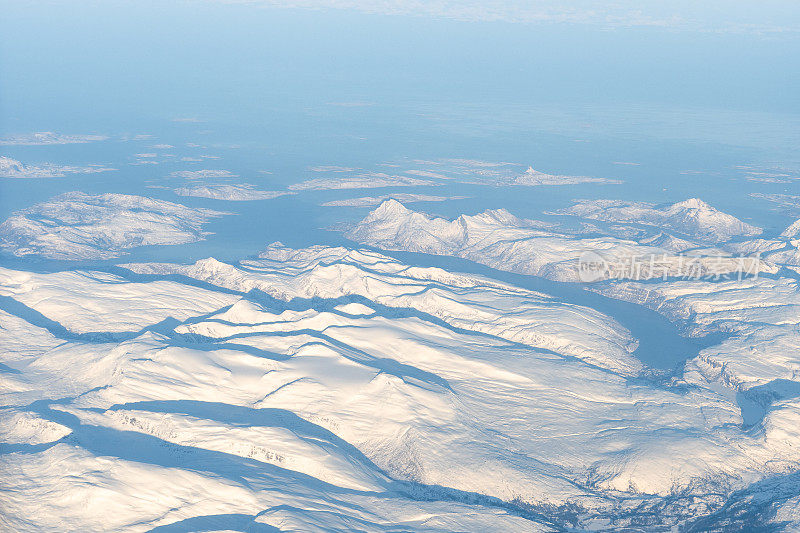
(372, 201)
(533, 177)
(11, 168)
(43, 138)
(322, 272)
(328, 389)
(241, 192)
(757, 365)
(81, 226)
(692, 217)
(792, 231)
(362, 180)
(501, 240)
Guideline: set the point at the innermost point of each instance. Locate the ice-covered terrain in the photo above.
(329, 389)
(202, 174)
(755, 367)
(778, 174)
(233, 192)
(372, 201)
(11, 168)
(437, 172)
(44, 138)
(792, 231)
(81, 226)
(397, 266)
(363, 180)
(534, 177)
(501, 240)
(692, 217)
(788, 202)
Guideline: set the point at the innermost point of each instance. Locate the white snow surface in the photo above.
(202, 174)
(372, 201)
(11, 168)
(533, 177)
(76, 225)
(240, 192)
(327, 389)
(792, 231)
(762, 314)
(361, 180)
(757, 366)
(47, 138)
(501, 240)
(316, 272)
(96, 302)
(434, 172)
(692, 217)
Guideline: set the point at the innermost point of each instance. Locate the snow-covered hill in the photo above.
(11, 168)
(328, 389)
(44, 138)
(501, 240)
(692, 217)
(533, 177)
(240, 192)
(81, 226)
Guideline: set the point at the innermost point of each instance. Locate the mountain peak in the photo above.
(390, 208)
(692, 203)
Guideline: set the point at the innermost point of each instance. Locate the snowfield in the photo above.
(241, 192)
(360, 180)
(373, 201)
(503, 241)
(399, 266)
(80, 226)
(691, 217)
(44, 138)
(422, 172)
(534, 178)
(11, 168)
(330, 389)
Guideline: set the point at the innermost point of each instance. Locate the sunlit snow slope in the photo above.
(327, 389)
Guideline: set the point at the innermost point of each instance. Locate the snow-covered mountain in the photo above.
(11, 168)
(533, 177)
(80, 226)
(692, 217)
(241, 192)
(373, 201)
(331, 389)
(363, 180)
(501, 240)
(399, 266)
(44, 138)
